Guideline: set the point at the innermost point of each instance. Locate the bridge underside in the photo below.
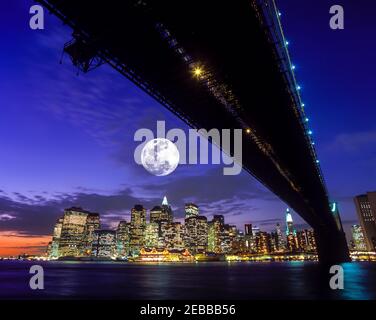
(159, 45)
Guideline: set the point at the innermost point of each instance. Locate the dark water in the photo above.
(212, 280)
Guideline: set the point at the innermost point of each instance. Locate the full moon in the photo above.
(160, 157)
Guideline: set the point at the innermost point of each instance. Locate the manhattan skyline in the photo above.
(68, 140)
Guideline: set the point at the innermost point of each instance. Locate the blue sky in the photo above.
(67, 139)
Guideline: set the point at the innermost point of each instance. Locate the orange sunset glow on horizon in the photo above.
(15, 243)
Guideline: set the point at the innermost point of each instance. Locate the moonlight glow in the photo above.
(160, 157)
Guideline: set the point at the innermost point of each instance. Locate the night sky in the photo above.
(68, 140)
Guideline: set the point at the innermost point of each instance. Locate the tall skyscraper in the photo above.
(191, 210)
(73, 231)
(248, 229)
(358, 238)
(151, 237)
(54, 250)
(173, 235)
(166, 208)
(249, 238)
(306, 241)
(263, 243)
(104, 244)
(228, 236)
(366, 208)
(280, 240)
(137, 228)
(291, 238)
(196, 237)
(158, 215)
(289, 223)
(215, 233)
(92, 224)
(122, 239)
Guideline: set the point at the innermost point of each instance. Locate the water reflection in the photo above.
(211, 280)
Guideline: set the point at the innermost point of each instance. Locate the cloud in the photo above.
(6, 216)
(354, 142)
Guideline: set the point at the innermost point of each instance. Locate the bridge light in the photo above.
(306, 119)
(293, 67)
(298, 87)
(310, 132)
(287, 43)
(317, 161)
(279, 14)
(313, 143)
(197, 71)
(303, 105)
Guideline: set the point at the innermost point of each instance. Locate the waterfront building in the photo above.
(53, 252)
(196, 233)
(151, 236)
(263, 245)
(104, 244)
(366, 209)
(72, 240)
(306, 241)
(173, 236)
(137, 229)
(215, 234)
(163, 255)
(280, 240)
(358, 240)
(122, 239)
(249, 239)
(92, 224)
(228, 237)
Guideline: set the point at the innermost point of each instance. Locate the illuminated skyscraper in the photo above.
(191, 210)
(215, 232)
(104, 244)
(151, 235)
(358, 238)
(122, 239)
(280, 240)
(228, 237)
(166, 208)
(306, 241)
(196, 233)
(249, 238)
(291, 238)
(137, 228)
(73, 231)
(92, 224)
(173, 235)
(289, 223)
(263, 242)
(248, 229)
(54, 249)
(158, 215)
(366, 209)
